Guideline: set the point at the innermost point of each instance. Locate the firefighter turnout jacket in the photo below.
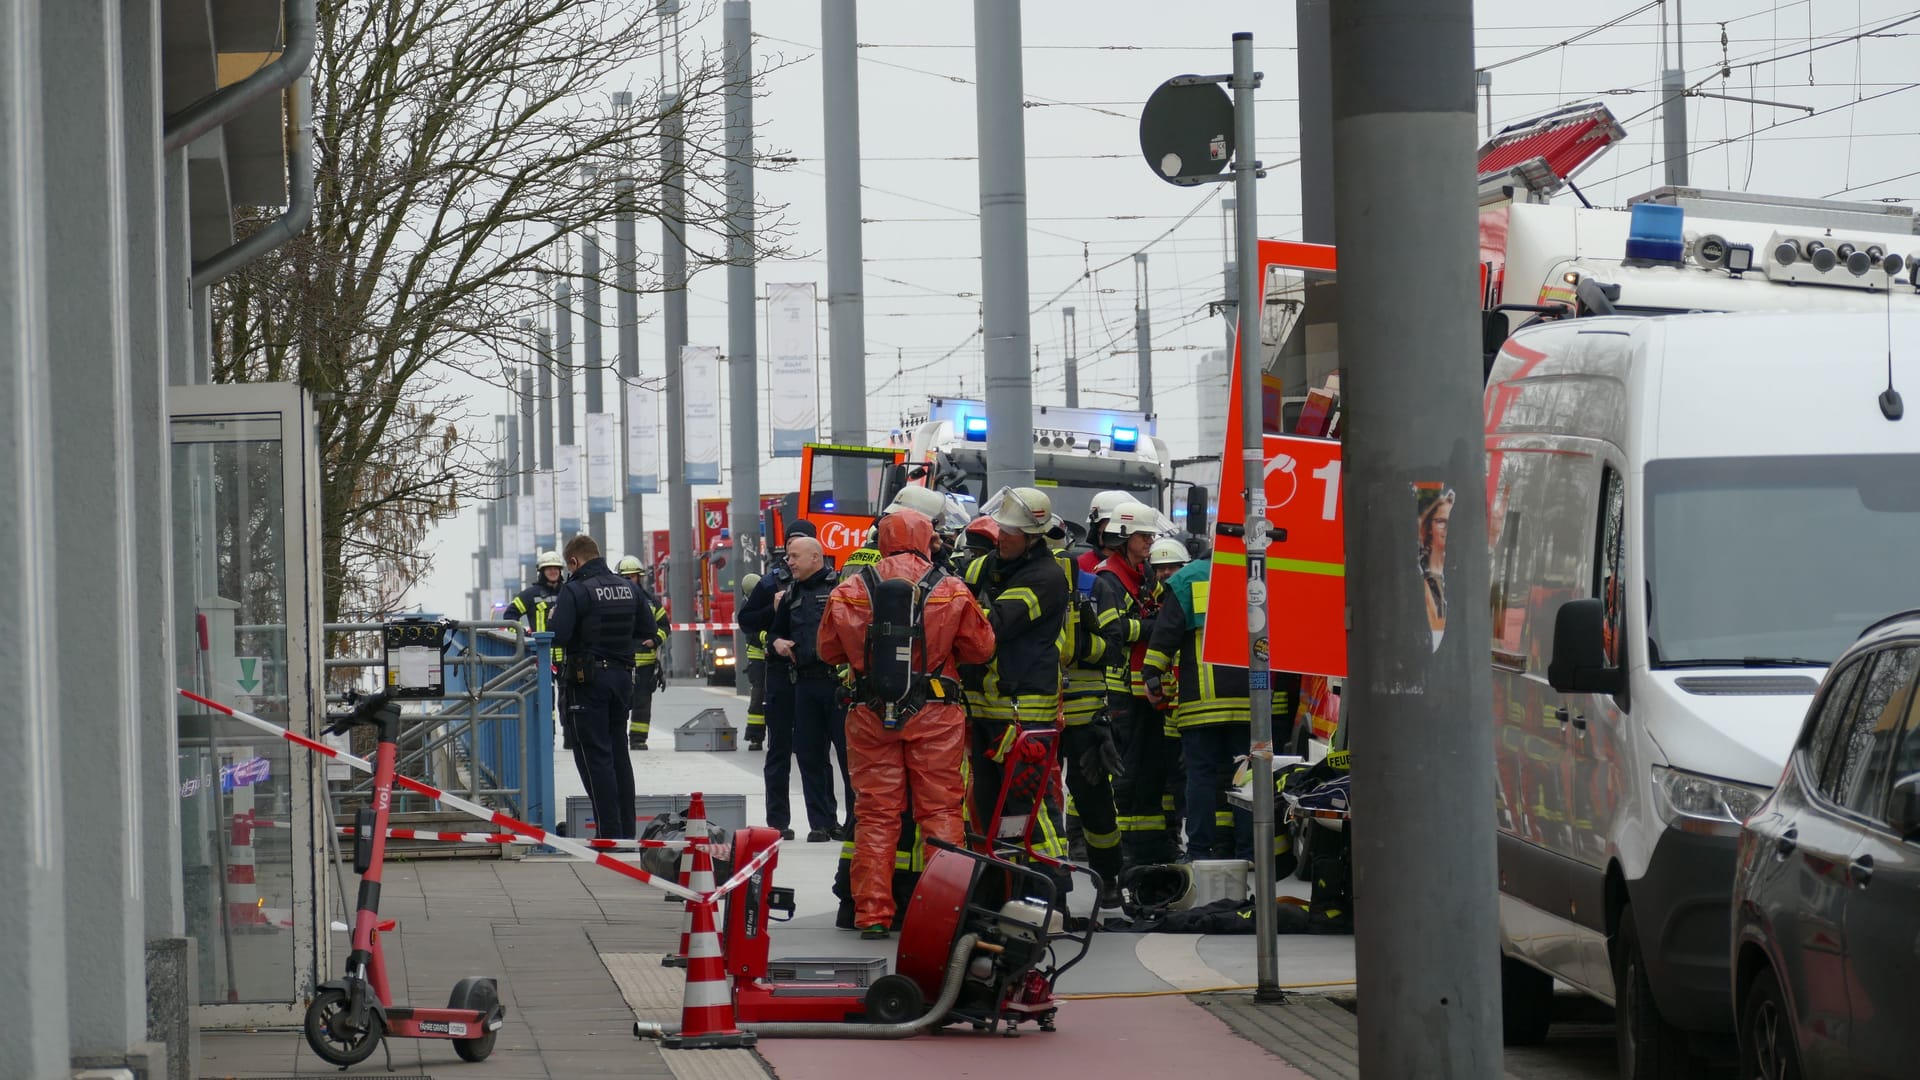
(646, 651)
(534, 606)
(1083, 649)
(1122, 600)
(1025, 601)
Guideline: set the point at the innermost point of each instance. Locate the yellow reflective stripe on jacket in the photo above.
(1025, 596)
(1157, 660)
(1200, 589)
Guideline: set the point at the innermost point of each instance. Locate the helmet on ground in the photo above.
(914, 497)
(551, 558)
(630, 565)
(1104, 504)
(1130, 518)
(1168, 552)
(1023, 508)
(749, 583)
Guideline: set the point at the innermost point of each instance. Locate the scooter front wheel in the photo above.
(475, 1049)
(329, 1037)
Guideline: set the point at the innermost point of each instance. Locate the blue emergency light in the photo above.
(975, 428)
(1125, 439)
(1656, 233)
(828, 505)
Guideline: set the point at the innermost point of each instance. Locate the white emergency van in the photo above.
(1689, 517)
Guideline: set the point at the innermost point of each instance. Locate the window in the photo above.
(1833, 714)
(1610, 562)
(1858, 765)
(1906, 760)
(847, 482)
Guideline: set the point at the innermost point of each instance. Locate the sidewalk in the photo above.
(576, 950)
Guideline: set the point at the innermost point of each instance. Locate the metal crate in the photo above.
(727, 811)
(708, 730)
(840, 970)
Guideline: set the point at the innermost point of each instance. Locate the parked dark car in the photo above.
(1826, 916)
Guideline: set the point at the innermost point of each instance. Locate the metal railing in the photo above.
(490, 738)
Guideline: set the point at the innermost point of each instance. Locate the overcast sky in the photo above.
(1091, 199)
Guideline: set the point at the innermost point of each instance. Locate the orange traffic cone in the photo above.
(706, 1014)
(689, 871)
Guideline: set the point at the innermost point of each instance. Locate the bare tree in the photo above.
(459, 144)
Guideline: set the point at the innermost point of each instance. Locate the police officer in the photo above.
(795, 638)
(646, 656)
(597, 618)
(1024, 595)
(756, 618)
(756, 673)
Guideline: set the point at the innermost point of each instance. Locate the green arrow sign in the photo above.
(249, 679)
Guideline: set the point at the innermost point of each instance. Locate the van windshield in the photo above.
(1771, 560)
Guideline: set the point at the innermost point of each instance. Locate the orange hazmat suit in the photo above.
(927, 752)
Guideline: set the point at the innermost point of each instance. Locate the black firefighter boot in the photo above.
(636, 740)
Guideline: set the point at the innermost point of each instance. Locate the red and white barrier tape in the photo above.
(454, 802)
(509, 838)
(727, 626)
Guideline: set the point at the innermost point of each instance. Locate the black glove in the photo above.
(660, 676)
(1103, 756)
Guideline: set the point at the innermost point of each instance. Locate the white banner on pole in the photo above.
(643, 440)
(524, 539)
(506, 576)
(700, 379)
(569, 488)
(603, 455)
(543, 510)
(793, 389)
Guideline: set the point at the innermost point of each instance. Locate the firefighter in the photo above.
(1124, 597)
(756, 674)
(646, 656)
(534, 606)
(906, 730)
(1088, 753)
(1025, 598)
(1097, 537)
(1209, 706)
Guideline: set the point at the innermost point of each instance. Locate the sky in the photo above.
(1092, 202)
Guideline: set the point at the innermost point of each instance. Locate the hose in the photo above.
(949, 993)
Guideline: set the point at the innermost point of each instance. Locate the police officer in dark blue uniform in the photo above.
(598, 618)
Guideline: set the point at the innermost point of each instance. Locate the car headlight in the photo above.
(1704, 804)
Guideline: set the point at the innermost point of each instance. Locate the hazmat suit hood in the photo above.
(906, 531)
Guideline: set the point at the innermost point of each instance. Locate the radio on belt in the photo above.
(413, 646)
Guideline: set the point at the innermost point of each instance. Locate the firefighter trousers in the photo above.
(1091, 790)
(1138, 794)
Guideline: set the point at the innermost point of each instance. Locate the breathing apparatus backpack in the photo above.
(890, 686)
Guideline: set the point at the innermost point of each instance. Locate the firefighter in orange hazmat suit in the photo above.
(920, 744)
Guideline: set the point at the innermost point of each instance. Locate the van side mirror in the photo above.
(1579, 662)
(1903, 807)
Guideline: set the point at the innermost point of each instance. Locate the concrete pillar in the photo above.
(87, 275)
(33, 962)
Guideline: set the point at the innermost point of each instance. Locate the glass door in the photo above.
(245, 634)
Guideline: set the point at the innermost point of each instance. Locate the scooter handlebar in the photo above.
(362, 710)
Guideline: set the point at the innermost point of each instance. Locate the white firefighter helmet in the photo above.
(1168, 552)
(1130, 518)
(630, 565)
(1104, 505)
(551, 558)
(1025, 509)
(915, 497)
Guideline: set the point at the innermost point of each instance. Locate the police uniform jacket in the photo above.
(798, 620)
(599, 614)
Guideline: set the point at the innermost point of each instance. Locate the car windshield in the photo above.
(1770, 560)
(1072, 501)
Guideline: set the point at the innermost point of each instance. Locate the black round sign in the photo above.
(1186, 131)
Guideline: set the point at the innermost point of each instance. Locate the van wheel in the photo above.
(1303, 849)
(1649, 1047)
(1526, 1003)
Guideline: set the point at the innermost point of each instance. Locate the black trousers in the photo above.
(815, 713)
(600, 707)
(641, 720)
(1092, 791)
(1138, 792)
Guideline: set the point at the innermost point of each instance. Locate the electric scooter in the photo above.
(348, 1017)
